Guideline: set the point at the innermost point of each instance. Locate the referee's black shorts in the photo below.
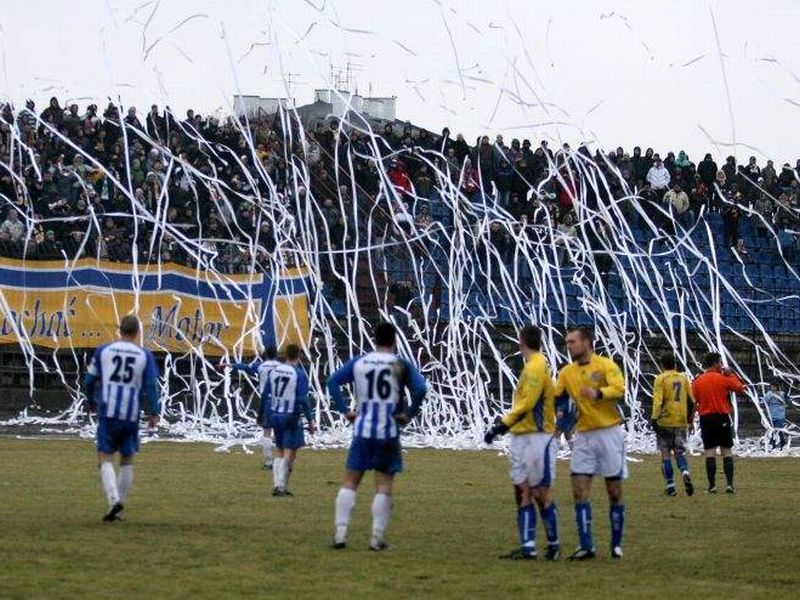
(716, 431)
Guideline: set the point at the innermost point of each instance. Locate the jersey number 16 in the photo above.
(379, 382)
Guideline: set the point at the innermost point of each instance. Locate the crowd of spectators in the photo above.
(227, 191)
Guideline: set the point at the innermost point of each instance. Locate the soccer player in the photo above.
(262, 369)
(711, 389)
(378, 379)
(286, 392)
(673, 408)
(128, 381)
(533, 448)
(587, 392)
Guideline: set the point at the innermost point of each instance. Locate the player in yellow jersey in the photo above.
(587, 393)
(533, 448)
(673, 407)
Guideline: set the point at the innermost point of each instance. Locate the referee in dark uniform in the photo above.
(711, 395)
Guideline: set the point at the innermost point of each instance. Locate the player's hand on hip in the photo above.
(402, 419)
(350, 416)
(312, 428)
(152, 421)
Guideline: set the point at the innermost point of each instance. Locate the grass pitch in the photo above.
(201, 525)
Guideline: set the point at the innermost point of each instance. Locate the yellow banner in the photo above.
(79, 305)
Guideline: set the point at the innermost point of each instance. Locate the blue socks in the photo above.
(617, 516)
(526, 522)
(583, 519)
(683, 465)
(669, 475)
(550, 520)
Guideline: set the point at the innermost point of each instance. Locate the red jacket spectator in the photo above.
(400, 179)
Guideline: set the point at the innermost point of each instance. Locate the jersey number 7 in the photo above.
(280, 385)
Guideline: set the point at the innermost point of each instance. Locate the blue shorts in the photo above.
(368, 454)
(114, 435)
(266, 420)
(288, 431)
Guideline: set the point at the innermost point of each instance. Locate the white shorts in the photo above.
(532, 458)
(600, 452)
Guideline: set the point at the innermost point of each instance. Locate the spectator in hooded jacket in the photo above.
(72, 122)
(485, 163)
(769, 174)
(156, 125)
(462, 149)
(730, 170)
(707, 170)
(638, 168)
(53, 115)
(503, 170)
(786, 177)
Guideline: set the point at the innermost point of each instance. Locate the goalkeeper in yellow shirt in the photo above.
(533, 448)
(587, 394)
(673, 409)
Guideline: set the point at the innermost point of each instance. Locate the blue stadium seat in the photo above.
(338, 307)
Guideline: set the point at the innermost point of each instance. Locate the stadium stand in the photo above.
(227, 192)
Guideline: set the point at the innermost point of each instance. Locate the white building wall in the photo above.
(251, 105)
(384, 109)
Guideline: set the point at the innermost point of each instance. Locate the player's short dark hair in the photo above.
(270, 352)
(531, 337)
(585, 332)
(129, 325)
(667, 360)
(292, 352)
(385, 334)
(711, 359)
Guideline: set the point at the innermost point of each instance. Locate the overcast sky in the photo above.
(624, 73)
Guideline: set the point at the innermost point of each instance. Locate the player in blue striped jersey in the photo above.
(261, 369)
(286, 392)
(378, 379)
(121, 379)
